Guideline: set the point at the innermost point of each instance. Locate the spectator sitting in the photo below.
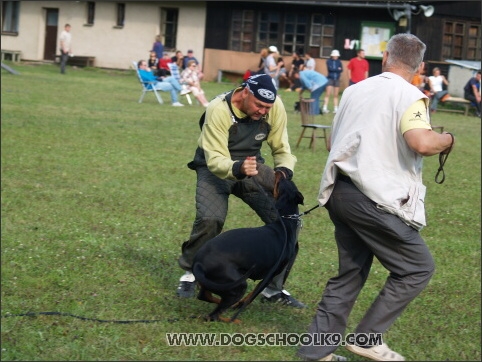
(296, 65)
(437, 82)
(472, 91)
(178, 58)
(270, 66)
(281, 73)
(262, 54)
(188, 57)
(164, 70)
(153, 63)
(420, 80)
(310, 63)
(192, 78)
(168, 84)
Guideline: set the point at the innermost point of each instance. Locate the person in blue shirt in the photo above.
(188, 57)
(167, 84)
(158, 47)
(314, 82)
(472, 91)
(335, 67)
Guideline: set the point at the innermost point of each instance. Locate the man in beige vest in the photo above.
(372, 188)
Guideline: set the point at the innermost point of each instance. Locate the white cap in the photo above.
(273, 49)
(335, 53)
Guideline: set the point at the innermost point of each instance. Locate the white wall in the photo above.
(113, 48)
(458, 78)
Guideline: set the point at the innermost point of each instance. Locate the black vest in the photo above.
(245, 139)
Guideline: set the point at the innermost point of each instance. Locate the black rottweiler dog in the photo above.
(223, 264)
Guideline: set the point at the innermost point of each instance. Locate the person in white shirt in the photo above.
(310, 63)
(271, 67)
(436, 82)
(65, 43)
(372, 188)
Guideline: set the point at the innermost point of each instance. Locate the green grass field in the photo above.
(97, 200)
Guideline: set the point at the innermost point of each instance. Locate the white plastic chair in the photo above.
(145, 86)
(175, 73)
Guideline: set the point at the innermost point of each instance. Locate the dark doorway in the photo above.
(51, 29)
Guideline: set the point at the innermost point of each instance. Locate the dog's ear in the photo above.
(278, 175)
(301, 198)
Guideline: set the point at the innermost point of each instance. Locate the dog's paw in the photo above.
(209, 318)
(229, 320)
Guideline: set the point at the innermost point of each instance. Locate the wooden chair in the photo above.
(308, 122)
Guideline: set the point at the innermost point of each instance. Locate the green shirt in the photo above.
(215, 136)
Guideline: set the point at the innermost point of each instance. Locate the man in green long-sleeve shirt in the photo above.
(227, 160)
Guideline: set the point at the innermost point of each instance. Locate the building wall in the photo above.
(458, 77)
(242, 61)
(202, 24)
(113, 48)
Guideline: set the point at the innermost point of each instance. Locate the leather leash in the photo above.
(442, 158)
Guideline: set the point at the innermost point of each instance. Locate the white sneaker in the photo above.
(325, 110)
(376, 353)
(177, 104)
(333, 357)
(335, 110)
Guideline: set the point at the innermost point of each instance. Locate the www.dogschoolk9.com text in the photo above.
(272, 339)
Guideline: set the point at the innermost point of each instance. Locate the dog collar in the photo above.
(292, 217)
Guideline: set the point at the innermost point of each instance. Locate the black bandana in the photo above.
(262, 87)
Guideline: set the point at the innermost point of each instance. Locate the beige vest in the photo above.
(368, 146)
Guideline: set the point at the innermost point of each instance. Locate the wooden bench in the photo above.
(13, 55)
(79, 60)
(229, 73)
(458, 102)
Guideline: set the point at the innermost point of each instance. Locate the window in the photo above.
(461, 40)
(289, 31)
(322, 34)
(295, 31)
(169, 19)
(269, 25)
(10, 13)
(121, 12)
(242, 30)
(90, 12)
(473, 42)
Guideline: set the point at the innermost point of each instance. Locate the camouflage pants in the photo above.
(212, 194)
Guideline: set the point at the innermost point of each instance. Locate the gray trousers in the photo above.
(362, 231)
(63, 60)
(212, 194)
(436, 98)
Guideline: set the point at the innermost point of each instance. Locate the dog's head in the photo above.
(287, 195)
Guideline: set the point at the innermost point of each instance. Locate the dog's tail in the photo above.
(198, 272)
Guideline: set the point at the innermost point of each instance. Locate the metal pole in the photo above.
(408, 13)
(387, 5)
